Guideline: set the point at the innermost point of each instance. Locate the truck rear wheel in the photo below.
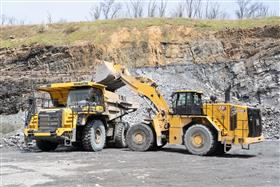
(120, 135)
(140, 137)
(94, 136)
(200, 140)
(45, 145)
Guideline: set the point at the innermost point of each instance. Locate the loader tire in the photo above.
(200, 140)
(94, 136)
(120, 135)
(140, 137)
(45, 145)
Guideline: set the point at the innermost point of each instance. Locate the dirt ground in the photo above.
(170, 166)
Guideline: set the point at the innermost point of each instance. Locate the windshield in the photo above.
(197, 99)
(83, 96)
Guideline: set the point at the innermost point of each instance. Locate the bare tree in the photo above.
(136, 6)
(21, 22)
(273, 13)
(107, 5)
(242, 8)
(193, 8)
(258, 10)
(263, 11)
(179, 10)
(152, 6)
(49, 17)
(252, 10)
(12, 20)
(224, 15)
(115, 10)
(213, 11)
(162, 8)
(95, 12)
(3, 19)
(198, 9)
(249, 9)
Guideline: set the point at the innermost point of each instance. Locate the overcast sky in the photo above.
(35, 11)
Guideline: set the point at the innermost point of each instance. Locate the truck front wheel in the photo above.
(94, 136)
(45, 145)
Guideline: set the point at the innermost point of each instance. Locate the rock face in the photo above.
(24, 68)
(248, 60)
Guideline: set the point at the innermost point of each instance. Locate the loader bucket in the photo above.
(107, 74)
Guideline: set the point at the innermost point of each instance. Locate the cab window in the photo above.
(181, 100)
(197, 99)
(84, 96)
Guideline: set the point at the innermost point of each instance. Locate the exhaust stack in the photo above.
(227, 94)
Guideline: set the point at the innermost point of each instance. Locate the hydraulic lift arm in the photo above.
(115, 76)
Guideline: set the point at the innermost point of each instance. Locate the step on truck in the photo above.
(84, 115)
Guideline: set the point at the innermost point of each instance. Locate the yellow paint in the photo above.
(218, 115)
(197, 140)
(253, 140)
(41, 134)
(59, 91)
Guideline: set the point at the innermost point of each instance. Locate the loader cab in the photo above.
(187, 102)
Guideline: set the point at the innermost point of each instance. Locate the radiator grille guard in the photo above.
(49, 121)
(254, 122)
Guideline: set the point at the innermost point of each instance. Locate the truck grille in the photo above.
(254, 122)
(49, 120)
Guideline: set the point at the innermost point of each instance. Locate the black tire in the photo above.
(120, 135)
(220, 149)
(94, 136)
(78, 146)
(200, 140)
(156, 147)
(140, 137)
(45, 145)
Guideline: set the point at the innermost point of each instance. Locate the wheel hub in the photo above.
(197, 140)
(97, 136)
(138, 138)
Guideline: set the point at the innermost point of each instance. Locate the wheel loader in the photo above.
(81, 114)
(205, 128)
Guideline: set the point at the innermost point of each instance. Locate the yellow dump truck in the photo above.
(80, 114)
(208, 128)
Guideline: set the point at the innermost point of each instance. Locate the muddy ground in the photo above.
(119, 167)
